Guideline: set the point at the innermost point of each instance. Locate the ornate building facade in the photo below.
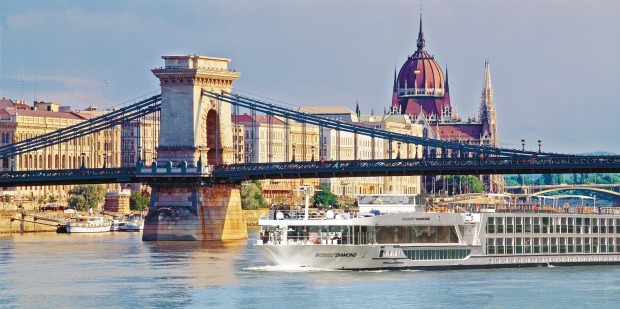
(20, 121)
(422, 92)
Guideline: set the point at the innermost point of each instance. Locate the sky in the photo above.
(553, 62)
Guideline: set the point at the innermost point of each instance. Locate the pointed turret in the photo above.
(421, 41)
(487, 107)
(447, 86)
(394, 88)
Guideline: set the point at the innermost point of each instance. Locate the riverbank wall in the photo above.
(6, 226)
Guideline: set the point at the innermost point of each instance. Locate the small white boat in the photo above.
(116, 225)
(132, 224)
(88, 224)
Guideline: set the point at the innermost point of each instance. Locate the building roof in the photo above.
(459, 131)
(35, 113)
(260, 119)
(8, 103)
(326, 110)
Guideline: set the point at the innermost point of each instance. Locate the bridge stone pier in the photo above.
(196, 131)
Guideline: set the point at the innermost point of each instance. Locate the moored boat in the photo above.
(397, 232)
(88, 224)
(132, 224)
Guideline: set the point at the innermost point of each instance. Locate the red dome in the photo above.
(420, 70)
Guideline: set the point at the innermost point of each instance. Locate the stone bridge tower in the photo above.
(192, 125)
(194, 131)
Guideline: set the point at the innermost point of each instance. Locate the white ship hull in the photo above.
(88, 224)
(88, 229)
(446, 238)
(353, 257)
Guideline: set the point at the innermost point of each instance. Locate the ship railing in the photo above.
(312, 238)
(522, 208)
(312, 215)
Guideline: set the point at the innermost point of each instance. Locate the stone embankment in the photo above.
(6, 226)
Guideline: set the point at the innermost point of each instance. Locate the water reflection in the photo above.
(110, 269)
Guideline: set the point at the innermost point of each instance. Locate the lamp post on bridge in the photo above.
(522, 145)
(104, 160)
(312, 158)
(398, 153)
(83, 160)
(293, 158)
(539, 146)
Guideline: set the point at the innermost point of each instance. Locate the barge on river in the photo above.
(396, 232)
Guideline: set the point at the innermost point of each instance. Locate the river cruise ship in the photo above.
(397, 232)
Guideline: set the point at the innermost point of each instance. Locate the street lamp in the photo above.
(312, 159)
(83, 160)
(523, 145)
(104, 160)
(539, 145)
(398, 154)
(293, 159)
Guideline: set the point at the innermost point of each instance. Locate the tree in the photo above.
(324, 196)
(78, 202)
(84, 196)
(41, 201)
(252, 195)
(464, 184)
(138, 201)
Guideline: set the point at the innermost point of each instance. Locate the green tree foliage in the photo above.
(325, 197)
(84, 196)
(464, 184)
(252, 195)
(139, 201)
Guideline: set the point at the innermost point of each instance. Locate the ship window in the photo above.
(443, 254)
(415, 234)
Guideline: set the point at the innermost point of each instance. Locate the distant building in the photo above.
(20, 121)
(267, 139)
(421, 92)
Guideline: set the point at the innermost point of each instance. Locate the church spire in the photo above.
(487, 107)
(421, 42)
(447, 86)
(394, 87)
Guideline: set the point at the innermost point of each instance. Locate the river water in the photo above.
(119, 270)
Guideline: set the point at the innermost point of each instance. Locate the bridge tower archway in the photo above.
(210, 124)
(193, 129)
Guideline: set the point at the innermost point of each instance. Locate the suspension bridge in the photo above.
(201, 194)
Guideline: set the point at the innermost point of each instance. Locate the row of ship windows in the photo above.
(552, 245)
(508, 221)
(441, 254)
(546, 229)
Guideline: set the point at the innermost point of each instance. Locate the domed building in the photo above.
(421, 91)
